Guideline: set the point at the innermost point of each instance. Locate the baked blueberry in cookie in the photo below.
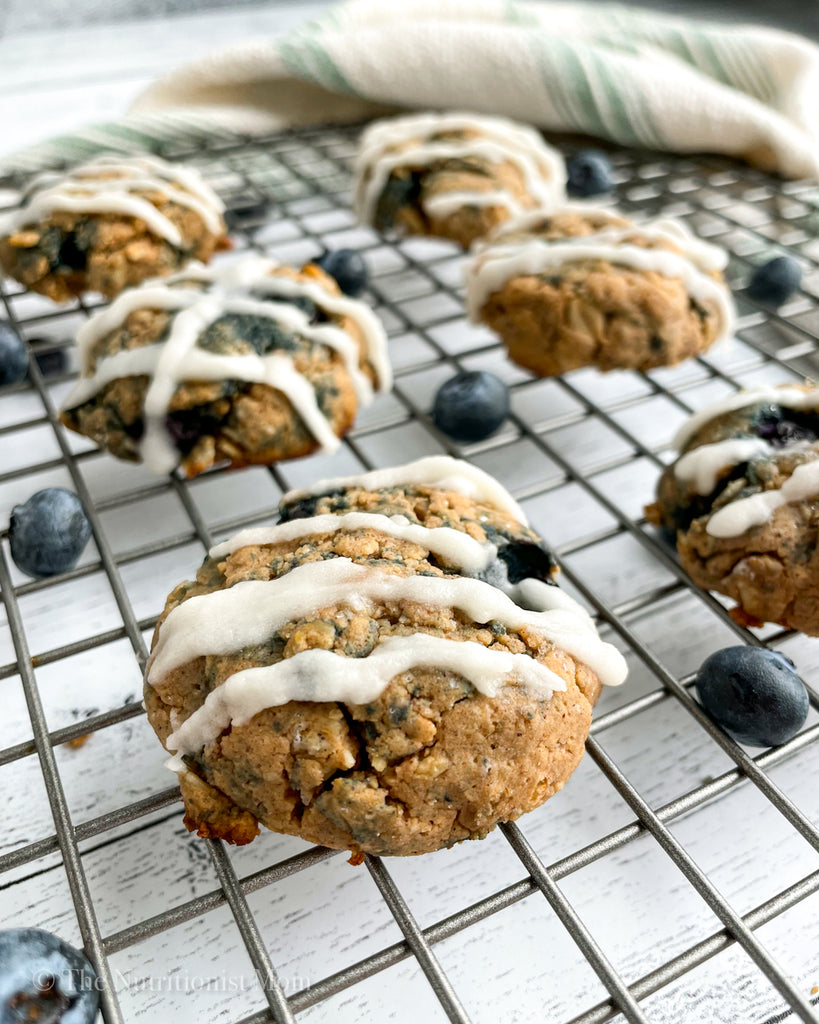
(248, 363)
(453, 175)
(109, 224)
(391, 669)
(584, 287)
(742, 498)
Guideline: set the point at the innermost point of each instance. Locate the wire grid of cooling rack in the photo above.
(566, 441)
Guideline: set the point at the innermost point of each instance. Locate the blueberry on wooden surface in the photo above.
(775, 281)
(754, 694)
(49, 532)
(13, 355)
(43, 979)
(589, 173)
(471, 405)
(348, 267)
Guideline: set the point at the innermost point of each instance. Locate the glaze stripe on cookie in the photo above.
(498, 262)
(446, 203)
(318, 675)
(82, 190)
(789, 397)
(178, 358)
(737, 517)
(700, 467)
(222, 622)
(225, 621)
(457, 547)
(439, 471)
(496, 141)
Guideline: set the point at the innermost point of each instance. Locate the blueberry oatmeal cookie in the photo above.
(742, 499)
(453, 175)
(251, 362)
(109, 224)
(587, 288)
(388, 670)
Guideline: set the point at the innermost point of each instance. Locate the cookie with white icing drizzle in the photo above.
(585, 287)
(742, 499)
(249, 362)
(453, 175)
(391, 669)
(110, 224)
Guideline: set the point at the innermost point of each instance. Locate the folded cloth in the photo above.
(623, 74)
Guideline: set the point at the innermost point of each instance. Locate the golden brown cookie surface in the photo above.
(742, 500)
(584, 287)
(109, 225)
(433, 754)
(454, 176)
(248, 363)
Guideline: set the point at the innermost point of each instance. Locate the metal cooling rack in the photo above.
(568, 452)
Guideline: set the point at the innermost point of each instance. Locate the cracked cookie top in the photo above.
(248, 362)
(455, 175)
(390, 669)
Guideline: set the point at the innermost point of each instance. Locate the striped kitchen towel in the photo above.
(619, 73)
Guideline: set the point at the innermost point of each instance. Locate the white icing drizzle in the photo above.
(491, 267)
(439, 471)
(741, 515)
(497, 140)
(787, 397)
(445, 203)
(700, 467)
(247, 613)
(82, 190)
(178, 359)
(318, 675)
(459, 549)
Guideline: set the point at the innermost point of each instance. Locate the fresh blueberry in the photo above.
(589, 173)
(43, 979)
(754, 694)
(471, 405)
(13, 355)
(348, 268)
(47, 535)
(775, 281)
